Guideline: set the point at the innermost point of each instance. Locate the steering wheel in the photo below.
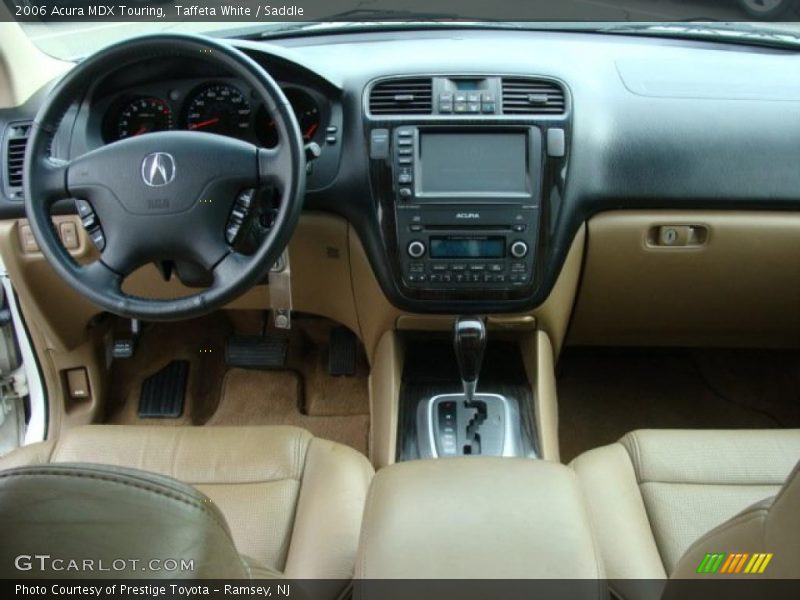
(165, 195)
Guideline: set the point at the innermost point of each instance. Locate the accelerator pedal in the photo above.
(256, 352)
(163, 393)
(342, 347)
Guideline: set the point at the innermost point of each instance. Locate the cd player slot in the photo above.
(467, 227)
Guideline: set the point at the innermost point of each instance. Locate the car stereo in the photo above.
(467, 205)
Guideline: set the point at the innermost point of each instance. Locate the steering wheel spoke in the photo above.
(275, 165)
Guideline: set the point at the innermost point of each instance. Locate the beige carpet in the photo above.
(603, 394)
(273, 398)
(303, 394)
(199, 341)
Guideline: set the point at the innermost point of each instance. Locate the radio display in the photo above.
(473, 163)
(467, 247)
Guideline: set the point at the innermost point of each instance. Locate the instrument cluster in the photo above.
(224, 107)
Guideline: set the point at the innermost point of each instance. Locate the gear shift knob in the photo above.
(469, 343)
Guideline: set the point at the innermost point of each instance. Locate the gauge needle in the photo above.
(311, 130)
(205, 123)
(141, 131)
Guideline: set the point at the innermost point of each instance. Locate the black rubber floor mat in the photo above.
(163, 393)
(256, 352)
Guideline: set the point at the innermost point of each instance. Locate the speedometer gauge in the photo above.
(143, 115)
(219, 108)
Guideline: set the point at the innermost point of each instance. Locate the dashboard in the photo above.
(463, 199)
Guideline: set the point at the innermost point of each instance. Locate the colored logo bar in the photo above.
(735, 562)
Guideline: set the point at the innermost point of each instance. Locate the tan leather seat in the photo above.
(294, 503)
(655, 493)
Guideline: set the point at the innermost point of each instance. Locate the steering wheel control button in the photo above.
(98, 239)
(519, 249)
(416, 249)
(84, 208)
(239, 214)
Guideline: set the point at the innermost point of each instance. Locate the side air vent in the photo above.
(402, 97)
(14, 142)
(525, 96)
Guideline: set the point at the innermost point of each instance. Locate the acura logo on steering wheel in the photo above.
(158, 169)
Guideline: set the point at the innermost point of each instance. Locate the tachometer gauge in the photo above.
(306, 111)
(143, 115)
(219, 108)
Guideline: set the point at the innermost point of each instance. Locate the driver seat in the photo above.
(293, 502)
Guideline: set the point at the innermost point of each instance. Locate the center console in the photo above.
(463, 168)
(475, 518)
(466, 205)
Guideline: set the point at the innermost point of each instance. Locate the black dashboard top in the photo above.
(653, 123)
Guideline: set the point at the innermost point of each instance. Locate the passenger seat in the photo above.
(659, 500)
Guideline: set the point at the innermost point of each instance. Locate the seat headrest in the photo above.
(97, 521)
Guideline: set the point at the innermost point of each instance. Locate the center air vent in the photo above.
(525, 96)
(410, 96)
(15, 140)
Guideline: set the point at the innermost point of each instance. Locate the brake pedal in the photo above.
(256, 352)
(125, 347)
(342, 347)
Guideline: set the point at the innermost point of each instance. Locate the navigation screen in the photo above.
(473, 163)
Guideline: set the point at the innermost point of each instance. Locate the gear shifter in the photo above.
(469, 343)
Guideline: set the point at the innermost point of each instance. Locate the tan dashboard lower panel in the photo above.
(734, 282)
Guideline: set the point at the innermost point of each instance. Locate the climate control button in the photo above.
(416, 249)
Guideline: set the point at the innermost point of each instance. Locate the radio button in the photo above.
(519, 249)
(496, 267)
(459, 267)
(405, 192)
(416, 249)
(405, 141)
(445, 107)
(405, 133)
(404, 160)
(474, 107)
(438, 268)
(488, 108)
(405, 178)
(460, 107)
(415, 228)
(405, 151)
(477, 267)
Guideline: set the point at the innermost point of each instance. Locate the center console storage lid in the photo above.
(467, 518)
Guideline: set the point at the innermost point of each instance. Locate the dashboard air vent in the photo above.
(412, 96)
(15, 140)
(525, 96)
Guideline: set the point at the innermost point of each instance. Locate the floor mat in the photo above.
(273, 398)
(603, 393)
(198, 341)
